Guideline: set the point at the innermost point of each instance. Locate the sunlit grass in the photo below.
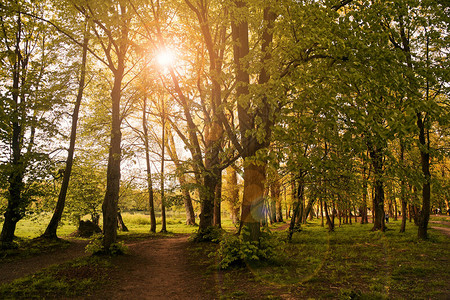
(75, 278)
(32, 227)
(353, 262)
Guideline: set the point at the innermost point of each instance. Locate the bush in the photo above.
(95, 247)
(234, 250)
(210, 234)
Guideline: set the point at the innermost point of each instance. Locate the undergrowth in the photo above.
(95, 247)
(238, 250)
(73, 279)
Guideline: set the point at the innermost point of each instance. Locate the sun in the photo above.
(165, 58)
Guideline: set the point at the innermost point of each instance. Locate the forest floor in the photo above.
(157, 269)
(19, 267)
(162, 268)
(444, 229)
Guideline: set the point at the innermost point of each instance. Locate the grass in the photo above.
(350, 263)
(76, 278)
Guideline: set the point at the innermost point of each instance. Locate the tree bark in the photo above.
(321, 213)
(278, 206)
(121, 223)
(151, 201)
(424, 215)
(330, 222)
(162, 189)
(253, 200)
(378, 201)
(218, 203)
(110, 202)
(309, 209)
(232, 185)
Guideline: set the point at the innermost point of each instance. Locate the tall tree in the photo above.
(111, 27)
(417, 29)
(255, 118)
(50, 231)
(30, 91)
(172, 150)
(151, 201)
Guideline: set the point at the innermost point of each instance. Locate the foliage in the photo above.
(352, 261)
(210, 234)
(86, 190)
(236, 250)
(95, 247)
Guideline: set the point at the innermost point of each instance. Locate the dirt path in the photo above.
(444, 230)
(25, 266)
(159, 269)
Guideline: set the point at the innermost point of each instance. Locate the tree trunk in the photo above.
(121, 223)
(404, 216)
(321, 212)
(162, 188)
(110, 202)
(293, 220)
(253, 200)
(378, 201)
(424, 147)
(16, 206)
(278, 206)
(309, 209)
(151, 202)
(210, 182)
(395, 210)
(363, 208)
(189, 208)
(301, 200)
(52, 227)
(190, 216)
(330, 222)
(218, 202)
(254, 172)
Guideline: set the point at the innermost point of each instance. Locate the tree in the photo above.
(111, 27)
(31, 103)
(151, 201)
(171, 149)
(86, 189)
(50, 231)
(416, 30)
(255, 118)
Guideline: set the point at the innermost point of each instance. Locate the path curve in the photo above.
(158, 269)
(444, 230)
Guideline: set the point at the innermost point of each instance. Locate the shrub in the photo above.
(210, 234)
(95, 247)
(235, 250)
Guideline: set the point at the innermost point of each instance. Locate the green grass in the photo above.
(350, 263)
(353, 263)
(76, 278)
(32, 227)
